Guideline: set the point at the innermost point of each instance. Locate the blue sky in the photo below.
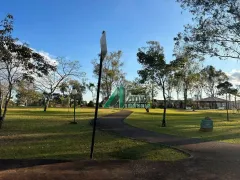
(73, 28)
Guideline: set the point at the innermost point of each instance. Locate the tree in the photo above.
(112, 74)
(53, 81)
(177, 84)
(215, 29)
(225, 88)
(212, 78)
(26, 93)
(75, 84)
(17, 62)
(91, 87)
(234, 91)
(63, 87)
(186, 69)
(170, 86)
(154, 67)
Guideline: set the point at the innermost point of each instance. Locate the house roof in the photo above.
(212, 99)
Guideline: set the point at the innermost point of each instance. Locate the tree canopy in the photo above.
(112, 73)
(155, 68)
(17, 62)
(215, 30)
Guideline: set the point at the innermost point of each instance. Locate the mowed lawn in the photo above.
(187, 123)
(30, 133)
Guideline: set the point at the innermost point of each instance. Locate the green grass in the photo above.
(31, 133)
(187, 123)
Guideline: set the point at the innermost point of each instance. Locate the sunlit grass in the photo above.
(187, 123)
(32, 133)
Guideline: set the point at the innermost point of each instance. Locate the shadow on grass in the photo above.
(6, 164)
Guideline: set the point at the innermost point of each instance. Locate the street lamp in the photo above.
(74, 92)
(103, 45)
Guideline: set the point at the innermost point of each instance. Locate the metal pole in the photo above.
(96, 108)
(74, 108)
(227, 107)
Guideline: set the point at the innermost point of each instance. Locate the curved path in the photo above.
(222, 159)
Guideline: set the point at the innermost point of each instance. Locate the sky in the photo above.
(72, 29)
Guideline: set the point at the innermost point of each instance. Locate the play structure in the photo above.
(122, 98)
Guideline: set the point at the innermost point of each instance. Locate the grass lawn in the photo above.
(31, 133)
(187, 123)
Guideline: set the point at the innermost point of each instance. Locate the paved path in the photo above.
(218, 157)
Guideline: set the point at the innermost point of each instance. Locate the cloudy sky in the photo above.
(73, 28)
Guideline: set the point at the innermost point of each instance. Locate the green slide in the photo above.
(112, 99)
(117, 97)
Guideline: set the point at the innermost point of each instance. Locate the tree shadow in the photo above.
(6, 164)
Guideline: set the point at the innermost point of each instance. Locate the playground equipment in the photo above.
(122, 98)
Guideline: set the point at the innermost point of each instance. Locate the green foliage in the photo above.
(212, 78)
(90, 104)
(17, 62)
(91, 87)
(186, 69)
(112, 74)
(155, 68)
(224, 88)
(75, 84)
(26, 94)
(215, 30)
(63, 87)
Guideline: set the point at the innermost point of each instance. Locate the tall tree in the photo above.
(112, 74)
(177, 84)
(235, 93)
(155, 67)
(50, 83)
(26, 93)
(215, 29)
(212, 78)
(63, 87)
(91, 87)
(75, 84)
(17, 62)
(186, 69)
(225, 88)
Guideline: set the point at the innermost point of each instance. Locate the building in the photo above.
(211, 103)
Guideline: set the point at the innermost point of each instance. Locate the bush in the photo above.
(90, 104)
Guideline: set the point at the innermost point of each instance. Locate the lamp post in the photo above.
(74, 92)
(103, 45)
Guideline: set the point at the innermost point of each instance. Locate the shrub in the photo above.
(90, 104)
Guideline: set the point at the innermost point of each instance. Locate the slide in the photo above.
(113, 99)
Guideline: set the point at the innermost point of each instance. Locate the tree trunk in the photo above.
(46, 104)
(152, 96)
(177, 95)
(1, 102)
(2, 117)
(164, 109)
(185, 98)
(227, 108)
(235, 102)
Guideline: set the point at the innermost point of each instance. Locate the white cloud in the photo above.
(234, 77)
(48, 57)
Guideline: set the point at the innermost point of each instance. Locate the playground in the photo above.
(122, 98)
